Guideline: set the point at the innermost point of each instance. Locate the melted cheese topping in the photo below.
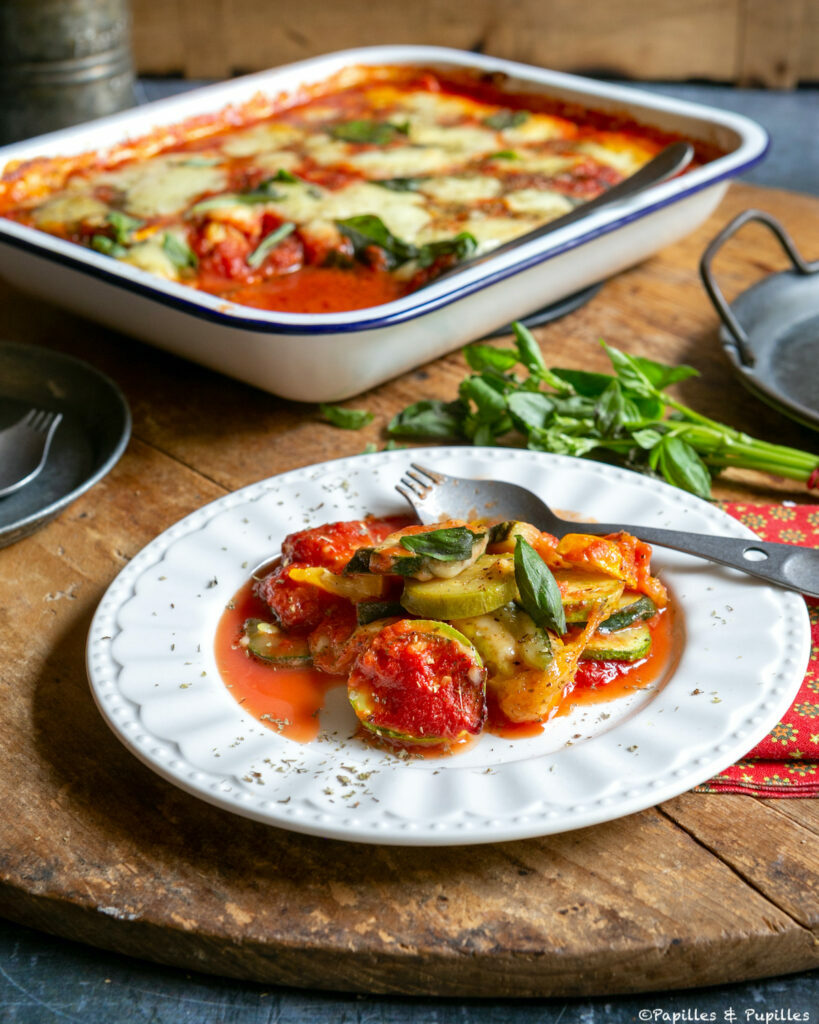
(451, 159)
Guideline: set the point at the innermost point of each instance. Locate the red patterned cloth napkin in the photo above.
(786, 762)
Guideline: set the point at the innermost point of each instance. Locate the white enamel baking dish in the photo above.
(330, 357)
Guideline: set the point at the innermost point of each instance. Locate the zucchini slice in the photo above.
(629, 644)
(419, 682)
(481, 588)
(629, 608)
(508, 640)
(270, 644)
(582, 591)
(354, 588)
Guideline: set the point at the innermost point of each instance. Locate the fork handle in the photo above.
(786, 565)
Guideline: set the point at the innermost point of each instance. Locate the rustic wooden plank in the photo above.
(769, 849)
(95, 846)
(668, 40)
(158, 34)
(770, 43)
(803, 812)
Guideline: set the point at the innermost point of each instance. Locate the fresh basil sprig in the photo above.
(367, 229)
(269, 243)
(399, 184)
(453, 544)
(347, 419)
(538, 589)
(179, 252)
(108, 247)
(124, 226)
(506, 119)
(626, 416)
(368, 132)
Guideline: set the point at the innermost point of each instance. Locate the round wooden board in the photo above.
(93, 846)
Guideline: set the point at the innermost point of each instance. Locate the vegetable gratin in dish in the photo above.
(352, 195)
(324, 199)
(443, 631)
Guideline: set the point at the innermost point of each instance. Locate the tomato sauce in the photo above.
(286, 700)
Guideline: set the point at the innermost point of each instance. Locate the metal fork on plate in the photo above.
(435, 496)
(24, 448)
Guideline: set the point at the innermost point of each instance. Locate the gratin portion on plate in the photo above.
(738, 654)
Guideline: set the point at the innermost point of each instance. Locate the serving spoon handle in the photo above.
(665, 164)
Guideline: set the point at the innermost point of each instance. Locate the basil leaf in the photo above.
(487, 357)
(484, 436)
(532, 359)
(681, 466)
(506, 119)
(629, 372)
(532, 409)
(609, 411)
(368, 132)
(369, 448)
(399, 184)
(453, 544)
(347, 419)
(107, 246)
(430, 418)
(123, 225)
(490, 403)
(660, 375)
(538, 589)
(461, 246)
(269, 243)
(503, 154)
(179, 252)
(646, 439)
(367, 229)
(591, 385)
(286, 176)
(528, 349)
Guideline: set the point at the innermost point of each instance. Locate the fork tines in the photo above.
(414, 482)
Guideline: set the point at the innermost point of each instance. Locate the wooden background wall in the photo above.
(774, 43)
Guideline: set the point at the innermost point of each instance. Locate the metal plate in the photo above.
(780, 316)
(93, 434)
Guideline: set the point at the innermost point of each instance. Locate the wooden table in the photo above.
(93, 846)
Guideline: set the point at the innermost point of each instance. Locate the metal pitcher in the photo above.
(62, 62)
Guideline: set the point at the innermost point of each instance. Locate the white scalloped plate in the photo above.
(743, 650)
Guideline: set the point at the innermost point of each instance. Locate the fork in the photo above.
(435, 496)
(24, 448)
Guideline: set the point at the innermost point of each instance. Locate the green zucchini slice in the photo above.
(485, 585)
(582, 591)
(629, 644)
(270, 644)
(508, 640)
(419, 683)
(629, 608)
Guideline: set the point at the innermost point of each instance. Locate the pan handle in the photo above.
(706, 273)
